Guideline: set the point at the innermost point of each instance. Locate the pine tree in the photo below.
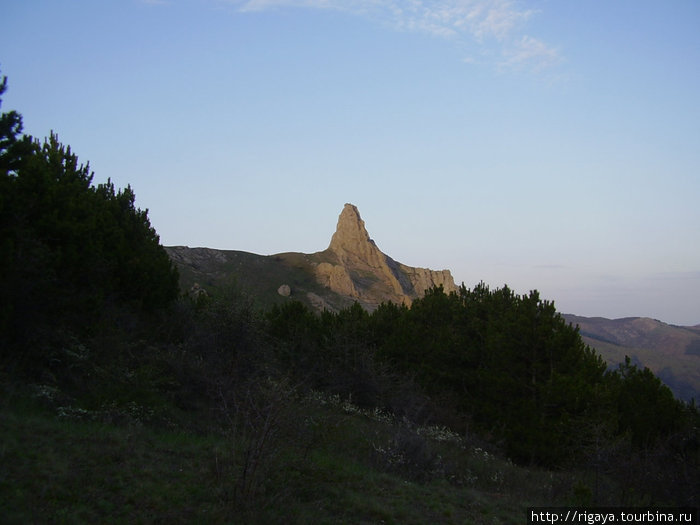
(69, 249)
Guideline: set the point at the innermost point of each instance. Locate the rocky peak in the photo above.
(351, 240)
(360, 270)
(350, 229)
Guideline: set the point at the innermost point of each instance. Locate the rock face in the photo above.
(357, 268)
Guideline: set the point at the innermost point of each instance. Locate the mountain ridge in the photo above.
(671, 352)
(351, 269)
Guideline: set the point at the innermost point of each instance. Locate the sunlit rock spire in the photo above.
(352, 243)
(360, 270)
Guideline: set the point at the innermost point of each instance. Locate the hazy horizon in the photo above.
(544, 145)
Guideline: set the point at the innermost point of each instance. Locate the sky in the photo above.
(543, 144)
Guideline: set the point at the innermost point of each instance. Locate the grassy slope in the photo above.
(77, 470)
(260, 276)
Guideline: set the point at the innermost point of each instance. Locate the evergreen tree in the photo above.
(13, 145)
(69, 249)
(509, 364)
(645, 407)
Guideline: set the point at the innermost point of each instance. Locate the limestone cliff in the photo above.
(355, 267)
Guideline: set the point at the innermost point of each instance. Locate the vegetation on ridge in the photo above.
(120, 401)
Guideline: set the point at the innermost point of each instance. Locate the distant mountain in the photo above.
(351, 269)
(671, 352)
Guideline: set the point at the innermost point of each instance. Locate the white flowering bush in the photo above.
(348, 407)
(390, 455)
(409, 455)
(45, 392)
(480, 453)
(131, 412)
(440, 434)
(75, 413)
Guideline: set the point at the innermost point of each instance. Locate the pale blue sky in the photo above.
(548, 144)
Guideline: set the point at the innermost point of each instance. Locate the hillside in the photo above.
(352, 269)
(326, 462)
(671, 352)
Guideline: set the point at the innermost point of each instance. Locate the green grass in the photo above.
(321, 467)
(87, 472)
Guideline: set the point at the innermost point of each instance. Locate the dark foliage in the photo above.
(509, 363)
(491, 362)
(70, 251)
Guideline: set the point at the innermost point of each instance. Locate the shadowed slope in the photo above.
(671, 352)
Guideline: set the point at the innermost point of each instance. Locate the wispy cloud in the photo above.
(529, 53)
(490, 29)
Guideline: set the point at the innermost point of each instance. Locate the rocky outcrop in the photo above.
(351, 269)
(422, 279)
(337, 278)
(357, 268)
(319, 303)
(195, 257)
